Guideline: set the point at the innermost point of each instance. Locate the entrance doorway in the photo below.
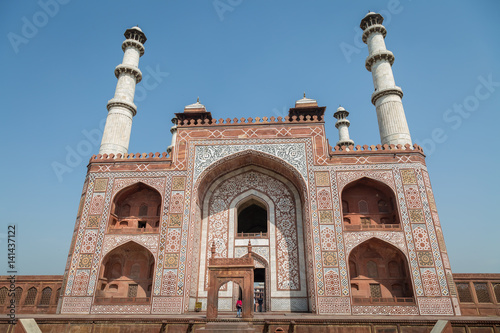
(259, 287)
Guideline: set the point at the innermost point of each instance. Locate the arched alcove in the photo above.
(380, 273)
(252, 218)
(253, 166)
(125, 273)
(135, 209)
(369, 204)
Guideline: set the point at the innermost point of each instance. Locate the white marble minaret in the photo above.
(121, 109)
(342, 125)
(387, 96)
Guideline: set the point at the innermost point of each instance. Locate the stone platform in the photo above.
(262, 322)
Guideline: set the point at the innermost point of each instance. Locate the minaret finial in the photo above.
(198, 99)
(304, 94)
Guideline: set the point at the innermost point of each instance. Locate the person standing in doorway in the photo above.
(260, 301)
(239, 306)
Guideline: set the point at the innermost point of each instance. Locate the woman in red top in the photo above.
(239, 305)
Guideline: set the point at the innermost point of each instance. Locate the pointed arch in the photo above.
(46, 295)
(373, 205)
(3, 295)
(252, 216)
(19, 293)
(268, 165)
(125, 272)
(383, 274)
(246, 158)
(134, 207)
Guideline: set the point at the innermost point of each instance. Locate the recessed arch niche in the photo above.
(248, 162)
(135, 209)
(369, 204)
(126, 273)
(380, 273)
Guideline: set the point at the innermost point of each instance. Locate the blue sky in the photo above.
(244, 58)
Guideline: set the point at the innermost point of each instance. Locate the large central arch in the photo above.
(256, 166)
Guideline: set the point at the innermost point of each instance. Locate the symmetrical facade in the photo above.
(344, 230)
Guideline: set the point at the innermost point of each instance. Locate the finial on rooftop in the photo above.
(198, 99)
(304, 94)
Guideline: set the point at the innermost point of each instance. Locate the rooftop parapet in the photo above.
(375, 149)
(130, 157)
(251, 121)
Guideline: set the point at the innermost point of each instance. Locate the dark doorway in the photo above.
(259, 278)
(252, 219)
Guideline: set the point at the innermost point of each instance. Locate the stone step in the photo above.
(226, 327)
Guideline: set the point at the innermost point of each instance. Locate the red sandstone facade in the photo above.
(351, 230)
(333, 231)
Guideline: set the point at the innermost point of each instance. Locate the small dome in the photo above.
(340, 109)
(370, 13)
(136, 28)
(306, 102)
(195, 106)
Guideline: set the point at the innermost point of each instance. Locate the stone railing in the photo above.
(372, 226)
(383, 300)
(126, 230)
(251, 235)
(251, 121)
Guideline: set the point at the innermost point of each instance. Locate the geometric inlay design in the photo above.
(324, 198)
(171, 260)
(416, 216)
(322, 178)
(291, 152)
(425, 258)
(430, 282)
(167, 305)
(329, 258)
(325, 216)
(332, 282)
(334, 305)
(328, 241)
(432, 202)
(421, 238)
(408, 177)
(169, 287)
(120, 308)
(412, 196)
(352, 239)
(100, 184)
(173, 240)
(150, 242)
(175, 220)
(435, 306)
(178, 183)
(388, 310)
(85, 260)
(89, 241)
(76, 305)
(80, 282)
(97, 203)
(177, 202)
(93, 221)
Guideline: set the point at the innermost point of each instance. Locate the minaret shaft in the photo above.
(387, 96)
(121, 109)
